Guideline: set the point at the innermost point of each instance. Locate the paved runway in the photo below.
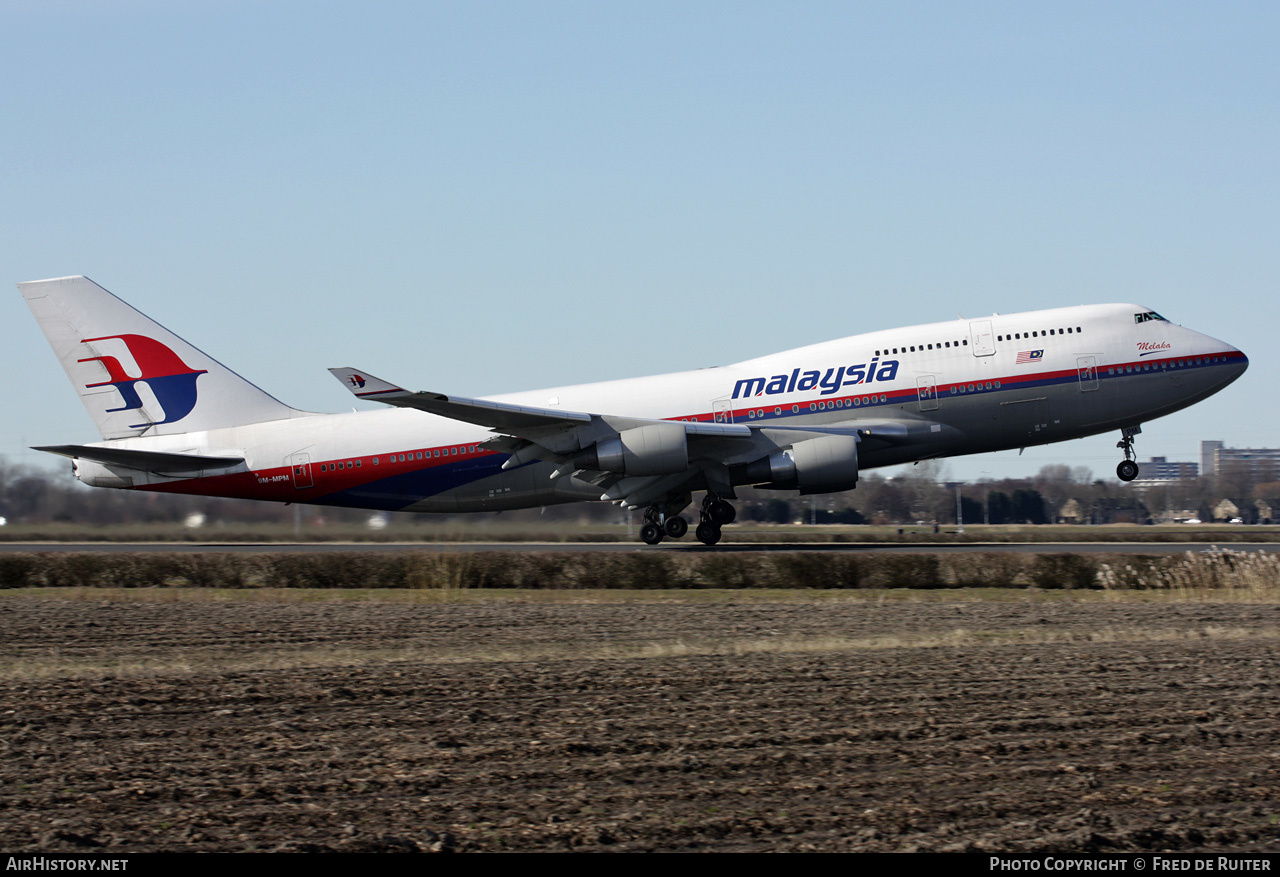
(613, 547)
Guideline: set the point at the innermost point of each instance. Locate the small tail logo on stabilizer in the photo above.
(171, 380)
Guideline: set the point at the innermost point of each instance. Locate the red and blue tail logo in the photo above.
(171, 380)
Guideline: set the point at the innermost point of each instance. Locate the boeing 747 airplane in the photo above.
(810, 419)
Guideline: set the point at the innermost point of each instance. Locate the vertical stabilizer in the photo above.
(134, 376)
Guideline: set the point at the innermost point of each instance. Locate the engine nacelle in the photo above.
(820, 465)
(656, 449)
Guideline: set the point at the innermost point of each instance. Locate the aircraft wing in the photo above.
(495, 415)
(574, 439)
(561, 437)
(889, 431)
(503, 417)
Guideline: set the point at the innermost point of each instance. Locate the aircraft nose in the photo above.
(1238, 361)
(1230, 361)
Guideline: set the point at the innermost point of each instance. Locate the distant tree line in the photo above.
(1058, 493)
(922, 494)
(29, 495)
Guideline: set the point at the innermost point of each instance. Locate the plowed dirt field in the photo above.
(132, 723)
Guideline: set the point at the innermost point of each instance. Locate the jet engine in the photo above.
(819, 465)
(656, 449)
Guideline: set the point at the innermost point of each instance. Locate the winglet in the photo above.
(365, 385)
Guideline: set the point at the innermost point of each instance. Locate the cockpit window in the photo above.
(1148, 315)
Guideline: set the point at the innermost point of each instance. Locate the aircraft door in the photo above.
(1087, 367)
(300, 471)
(722, 410)
(982, 341)
(927, 392)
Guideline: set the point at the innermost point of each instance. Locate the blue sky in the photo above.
(487, 197)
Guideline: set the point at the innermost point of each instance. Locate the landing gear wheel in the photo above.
(721, 513)
(676, 527)
(708, 533)
(651, 534)
(1128, 470)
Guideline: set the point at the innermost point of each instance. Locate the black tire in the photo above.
(722, 513)
(676, 527)
(651, 534)
(1127, 470)
(708, 534)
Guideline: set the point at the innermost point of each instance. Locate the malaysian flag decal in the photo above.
(1029, 356)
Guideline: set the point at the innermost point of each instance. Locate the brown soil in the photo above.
(136, 725)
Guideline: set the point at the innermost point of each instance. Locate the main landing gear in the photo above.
(1128, 468)
(655, 526)
(715, 513)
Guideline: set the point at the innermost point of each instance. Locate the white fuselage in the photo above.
(968, 385)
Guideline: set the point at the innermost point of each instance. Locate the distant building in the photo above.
(1226, 510)
(1260, 464)
(1209, 457)
(1265, 510)
(1158, 471)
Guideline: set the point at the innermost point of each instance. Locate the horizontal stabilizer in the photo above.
(147, 461)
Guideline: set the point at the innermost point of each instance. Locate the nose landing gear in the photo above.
(1128, 468)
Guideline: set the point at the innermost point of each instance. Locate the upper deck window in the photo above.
(1148, 315)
